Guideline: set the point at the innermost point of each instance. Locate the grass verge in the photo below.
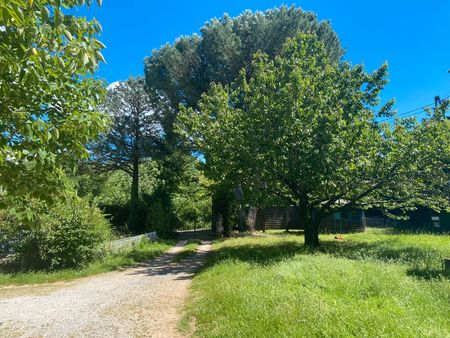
(188, 250)
(373, 284)
(141, 252)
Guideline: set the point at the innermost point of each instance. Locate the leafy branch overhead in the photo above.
(48, 95)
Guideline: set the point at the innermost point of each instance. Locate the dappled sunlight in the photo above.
(367, 284)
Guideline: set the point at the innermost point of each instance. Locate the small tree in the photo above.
(305, 130)
(48, 97)
(134, 136)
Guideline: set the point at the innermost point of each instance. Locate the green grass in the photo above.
(374, 284)
(188, 250)
(141, 252)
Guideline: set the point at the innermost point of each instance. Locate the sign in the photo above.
(436, 221)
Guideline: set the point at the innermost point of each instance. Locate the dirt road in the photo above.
(143, 301)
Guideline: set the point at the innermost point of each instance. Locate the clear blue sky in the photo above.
(413, 36)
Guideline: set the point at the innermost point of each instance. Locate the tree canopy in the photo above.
(48, 95)
(304, 128)
(184, 70)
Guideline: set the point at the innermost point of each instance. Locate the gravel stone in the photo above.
(142, 301)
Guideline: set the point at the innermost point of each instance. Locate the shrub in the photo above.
(72, 234)
(66, 234)
(118, 216)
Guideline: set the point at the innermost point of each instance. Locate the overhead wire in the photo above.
(409, 112)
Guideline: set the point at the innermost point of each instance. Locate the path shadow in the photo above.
(167, 265)
(203, 235)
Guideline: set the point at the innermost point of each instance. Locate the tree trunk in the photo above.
(221, 205)
(134, 201)
(310, 225)
(241, 219)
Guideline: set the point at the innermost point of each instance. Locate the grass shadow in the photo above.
(421, 262)
(258, 253)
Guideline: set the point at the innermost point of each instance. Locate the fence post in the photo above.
(263, 220)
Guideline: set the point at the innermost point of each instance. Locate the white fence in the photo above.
(379, 222)
(125, 243)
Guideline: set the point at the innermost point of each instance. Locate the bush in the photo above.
(67, 234)
(72, 234)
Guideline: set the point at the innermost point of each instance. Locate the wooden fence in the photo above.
(288, 218)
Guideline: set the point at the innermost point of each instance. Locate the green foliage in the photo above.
(66, 234)
(144, 251)
(135, 128)
(304, 129)
(47, 94)
(160, 217)
(184, 70)
(181, 72)
(113, 188)
(72, 233)
(111, 193)
(134, 137)
(192, 201)
(364, 286)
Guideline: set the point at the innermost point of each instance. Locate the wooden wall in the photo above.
(288, 218)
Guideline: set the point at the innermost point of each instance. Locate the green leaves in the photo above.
(302, 129)
(68, 34)
(45, 13)
(184, 70)
(47, 94)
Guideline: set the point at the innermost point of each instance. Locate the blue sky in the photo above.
(412, 36)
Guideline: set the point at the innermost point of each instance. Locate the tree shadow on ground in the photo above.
(168, 265)
(421, 262)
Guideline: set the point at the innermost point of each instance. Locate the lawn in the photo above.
(143, 251)
(374, 284)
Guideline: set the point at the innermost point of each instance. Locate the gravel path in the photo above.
(143, 301)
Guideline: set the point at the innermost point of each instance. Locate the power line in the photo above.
(409, 113)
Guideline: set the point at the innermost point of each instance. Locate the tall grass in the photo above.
(373, 284)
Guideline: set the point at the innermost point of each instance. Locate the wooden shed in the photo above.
(288, 218)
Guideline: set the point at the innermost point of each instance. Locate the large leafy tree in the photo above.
(182, 71)
(134, 137)
(48, 95)
(304, 129)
